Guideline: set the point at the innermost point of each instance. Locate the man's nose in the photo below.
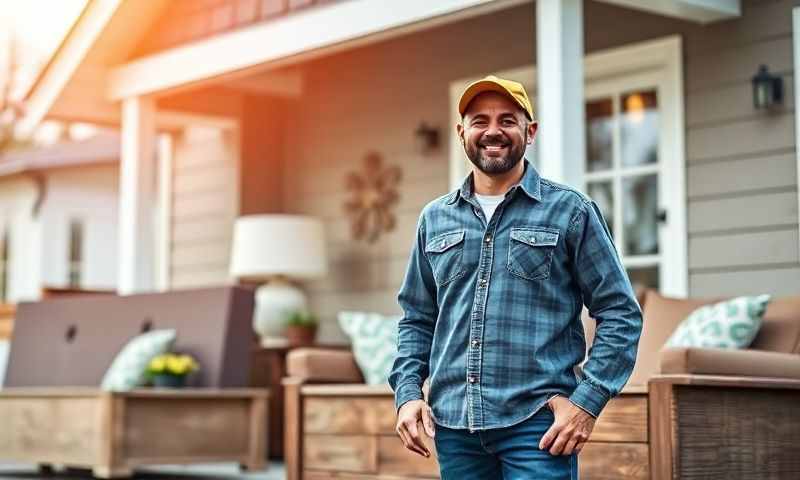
(493, 130)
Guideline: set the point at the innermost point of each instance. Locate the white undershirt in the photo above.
(489, 203)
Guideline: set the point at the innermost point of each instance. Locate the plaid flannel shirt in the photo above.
(491, 311)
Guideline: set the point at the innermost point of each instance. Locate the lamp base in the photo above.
(274, 301)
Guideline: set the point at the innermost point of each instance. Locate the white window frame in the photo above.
(796, 44)
(663, 55)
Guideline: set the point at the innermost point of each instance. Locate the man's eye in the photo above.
(509, 122)
(479, 123)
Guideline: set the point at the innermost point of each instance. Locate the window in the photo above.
(75, 253)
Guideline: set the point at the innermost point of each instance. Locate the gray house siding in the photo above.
(742, 182)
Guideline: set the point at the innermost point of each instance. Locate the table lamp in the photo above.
(277, 249)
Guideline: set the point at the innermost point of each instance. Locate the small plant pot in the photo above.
(167, 380)
(300, 336)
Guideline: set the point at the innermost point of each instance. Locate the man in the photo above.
(492, 296)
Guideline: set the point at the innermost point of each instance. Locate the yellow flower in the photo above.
(176, 365)
(157, 364)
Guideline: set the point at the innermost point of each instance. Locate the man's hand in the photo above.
(410, 414)
(570, 430)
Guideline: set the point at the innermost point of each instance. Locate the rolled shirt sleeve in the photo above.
(611, 301)
(417, 298)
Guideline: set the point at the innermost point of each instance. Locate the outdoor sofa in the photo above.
(685, 413)
(54, 414)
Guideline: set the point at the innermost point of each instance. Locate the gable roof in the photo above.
(99, 149)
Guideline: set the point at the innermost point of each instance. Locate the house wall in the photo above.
(89, 194)
(17, 197)
(39, 243)
(742, 192)
(205, 203)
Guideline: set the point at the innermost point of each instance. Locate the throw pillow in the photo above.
(733, 323)
(374, 340)
(127, 371)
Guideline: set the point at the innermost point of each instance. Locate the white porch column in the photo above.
(559, 67)
(137, 193)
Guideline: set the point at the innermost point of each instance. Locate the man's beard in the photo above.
(495, 165)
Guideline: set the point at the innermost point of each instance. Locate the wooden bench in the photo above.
(349, 429)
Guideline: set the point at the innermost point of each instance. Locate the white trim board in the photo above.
(796, 53)
(662, 56)
(347, 24)
(700, 11)
(91, 24)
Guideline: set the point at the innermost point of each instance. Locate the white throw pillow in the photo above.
(733, 323)
(127, 371)
(374, 340)
(5, 347)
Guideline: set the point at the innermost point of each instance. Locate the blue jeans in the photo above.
(510, 453)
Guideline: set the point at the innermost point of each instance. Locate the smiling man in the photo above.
(492, 296)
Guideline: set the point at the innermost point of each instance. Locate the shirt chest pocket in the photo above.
(530, 251)
(445, 252)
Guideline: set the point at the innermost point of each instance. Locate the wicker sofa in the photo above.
(685, 413)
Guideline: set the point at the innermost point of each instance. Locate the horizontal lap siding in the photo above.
(372, 99)
(204, 206)
(741, 164)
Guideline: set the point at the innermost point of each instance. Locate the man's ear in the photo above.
(460, 132)
(531, 133)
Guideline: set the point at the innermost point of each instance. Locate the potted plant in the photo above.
(169, 370)
(301, 328)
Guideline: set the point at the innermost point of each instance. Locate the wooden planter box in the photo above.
(113, 433)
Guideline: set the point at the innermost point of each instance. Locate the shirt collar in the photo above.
(530, 184)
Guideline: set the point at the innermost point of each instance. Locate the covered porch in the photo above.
(260, 119)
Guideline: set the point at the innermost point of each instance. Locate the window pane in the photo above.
(640, 209)
(639, 128)
(603, 194)
(599, 115)
(645, 276)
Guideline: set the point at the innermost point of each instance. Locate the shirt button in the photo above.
(488, 239)
(483, 281)
(472, 379)
(474, 343)
(533, 239)
(444, 244)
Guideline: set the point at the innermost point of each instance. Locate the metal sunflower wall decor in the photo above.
(373, 193)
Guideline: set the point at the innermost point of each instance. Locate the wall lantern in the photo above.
(767, 89)
(426, 138)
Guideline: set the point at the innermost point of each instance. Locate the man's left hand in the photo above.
(570, 430)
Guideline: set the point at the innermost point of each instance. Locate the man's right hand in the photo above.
(408, 417)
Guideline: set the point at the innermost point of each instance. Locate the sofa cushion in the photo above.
(723, 361)
(374, 339)
(661, 316)
(314, 364)
(780, 328)
(732, 323)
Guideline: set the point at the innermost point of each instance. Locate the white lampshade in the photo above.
(278, 244)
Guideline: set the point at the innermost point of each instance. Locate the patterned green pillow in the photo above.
(374, 340)
(730, 324)
(127, 371)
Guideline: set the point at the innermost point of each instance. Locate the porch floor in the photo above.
(221, 471)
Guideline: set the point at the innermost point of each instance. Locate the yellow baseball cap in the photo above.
(513, 90)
